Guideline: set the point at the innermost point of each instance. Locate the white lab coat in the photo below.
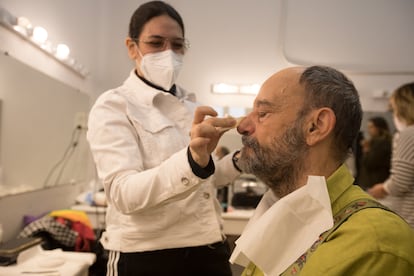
(139, 137)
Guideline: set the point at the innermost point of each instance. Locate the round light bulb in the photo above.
(23, 26)
(62, 51)
(24, 22)
(39, 34)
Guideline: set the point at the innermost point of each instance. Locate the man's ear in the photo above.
(132, 48)
(320, 126)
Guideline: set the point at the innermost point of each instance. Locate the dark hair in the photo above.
(381, 124)
(327, 87)
(149, 10)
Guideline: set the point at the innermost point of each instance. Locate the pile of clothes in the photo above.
(70, 230)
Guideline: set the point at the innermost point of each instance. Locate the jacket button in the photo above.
(206, 195)
(185, 181)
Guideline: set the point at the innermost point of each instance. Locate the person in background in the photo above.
(398, 190)
(376, 158)
(221, 151)
(163, 217)
(313, 220)
(356, 155)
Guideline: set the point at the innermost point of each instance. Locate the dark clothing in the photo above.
(357, 151)
(376, 163)
(206, 260)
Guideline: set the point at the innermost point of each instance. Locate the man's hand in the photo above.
(206, 132)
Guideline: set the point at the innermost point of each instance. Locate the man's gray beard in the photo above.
(279, 165)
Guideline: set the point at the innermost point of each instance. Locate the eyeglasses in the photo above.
(159, 43)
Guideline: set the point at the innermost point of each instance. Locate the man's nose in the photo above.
(246, 126)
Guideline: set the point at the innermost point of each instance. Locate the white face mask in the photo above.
(399, 125)
(161, 68)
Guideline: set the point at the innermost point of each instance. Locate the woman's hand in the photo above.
(206, 132)
(365, 144)
(378, 191)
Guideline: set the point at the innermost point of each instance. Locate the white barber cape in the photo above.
(280, 231)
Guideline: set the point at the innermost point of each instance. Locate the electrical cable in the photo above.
(66, 156)
(69, 153)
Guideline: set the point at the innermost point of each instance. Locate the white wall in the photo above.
(228, 42)
(37, 121)
(38, 129)
(370, 40)
(15, 207)
(370, 36)
(241, 41)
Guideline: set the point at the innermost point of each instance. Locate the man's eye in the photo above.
(261, 114)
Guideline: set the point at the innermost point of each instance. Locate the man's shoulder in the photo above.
(369, 236)
(378, 223)
(374, 230)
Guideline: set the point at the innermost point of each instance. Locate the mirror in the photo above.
(40, 144)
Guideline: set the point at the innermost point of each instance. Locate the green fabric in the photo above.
(341, 217)
(371, 242)
(252, 270)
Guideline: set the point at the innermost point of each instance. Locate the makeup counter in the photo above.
(34, 260)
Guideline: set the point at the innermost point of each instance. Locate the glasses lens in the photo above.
(158, 43)
(178, 44)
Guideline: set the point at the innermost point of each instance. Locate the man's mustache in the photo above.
(249, 142)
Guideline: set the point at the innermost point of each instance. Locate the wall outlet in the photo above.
(381, 93)
(81, 119)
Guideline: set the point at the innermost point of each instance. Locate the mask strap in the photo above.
(139, 52)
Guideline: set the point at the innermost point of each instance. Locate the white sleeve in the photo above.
(130, 187)
(225, 172)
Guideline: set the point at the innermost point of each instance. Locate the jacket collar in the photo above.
(143, 92)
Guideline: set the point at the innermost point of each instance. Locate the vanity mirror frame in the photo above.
(41, 144)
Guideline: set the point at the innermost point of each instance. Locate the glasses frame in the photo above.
(146, 41)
